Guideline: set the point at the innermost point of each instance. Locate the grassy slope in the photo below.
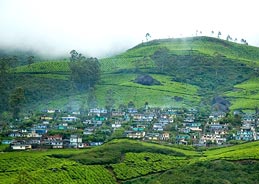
(205, 45)
(126, 89)
(245, 95)
(124, 160)
(119, 72)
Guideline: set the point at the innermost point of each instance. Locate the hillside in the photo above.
(129, 161)
(196, 70)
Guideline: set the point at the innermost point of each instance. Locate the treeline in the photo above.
(12, 96)
(85, 72)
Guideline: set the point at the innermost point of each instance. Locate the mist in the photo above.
(103, 28)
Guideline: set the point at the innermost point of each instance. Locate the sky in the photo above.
(100, 28)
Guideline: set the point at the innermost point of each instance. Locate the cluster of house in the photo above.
(173, 125)
(48, 141)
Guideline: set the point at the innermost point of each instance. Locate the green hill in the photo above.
(196, 70)
(129, 161)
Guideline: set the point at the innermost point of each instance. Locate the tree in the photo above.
(85, 72)
(16, 101)
(74, 55)
(30, 60)
(147, 36)
(244, 41)
(229, 38)
(6, 81)
(212, 33)
(219, 34)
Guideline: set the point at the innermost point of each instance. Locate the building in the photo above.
(135, 134)
(246, 133)
(69, 119)
(75, 141)
(19, 146)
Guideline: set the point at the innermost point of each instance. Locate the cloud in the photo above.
(100, 28)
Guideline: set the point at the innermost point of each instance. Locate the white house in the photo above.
(69, 118)
(21, 146)
(75, 141)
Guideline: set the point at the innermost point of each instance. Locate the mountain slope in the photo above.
(196, 70)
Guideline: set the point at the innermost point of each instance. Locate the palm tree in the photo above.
(147, 36)
(229, 38)
(219, 34)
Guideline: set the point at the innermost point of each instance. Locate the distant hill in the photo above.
(191, 73)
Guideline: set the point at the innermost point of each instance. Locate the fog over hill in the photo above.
(103, 28)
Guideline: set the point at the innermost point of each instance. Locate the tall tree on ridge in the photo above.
(148, 36)
(219, 34)
(6, 81)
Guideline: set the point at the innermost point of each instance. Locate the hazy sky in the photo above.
(102, 27)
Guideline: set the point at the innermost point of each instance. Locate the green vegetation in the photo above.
(129, 161)
(245, 95)
(58, 67)
(113, 152)
(158, 95)
(192, 71)
(206, 172)
(40, 168)
(139, 164)
(189, 72)
(238, 152)
(85, 72)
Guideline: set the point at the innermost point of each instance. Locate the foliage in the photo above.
(158, 95)
(85, 73)
(245, 95)
(38, 167)
(138, 164)
(16, 101)
(6, 81)
(206, 172)
(237, 152)
(193, 71)
(213, 74)
(113, 151)
(130, 161)
(44, 67)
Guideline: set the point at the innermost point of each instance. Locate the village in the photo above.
(56, 129)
